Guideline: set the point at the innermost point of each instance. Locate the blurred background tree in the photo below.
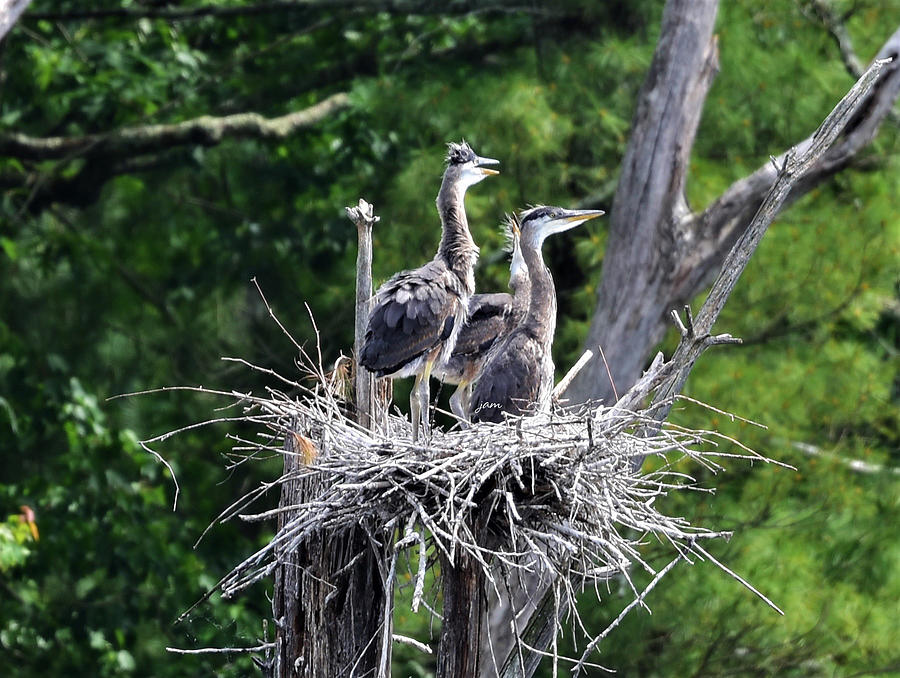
(125, 267)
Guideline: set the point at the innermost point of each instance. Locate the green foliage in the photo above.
(149, 286)
(111, 569)
(15, 535)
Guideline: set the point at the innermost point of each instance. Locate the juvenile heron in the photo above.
(418, 314)
(518, 374)
(491, 317)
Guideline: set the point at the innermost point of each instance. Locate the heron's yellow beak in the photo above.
(481, 162)
(584, 215)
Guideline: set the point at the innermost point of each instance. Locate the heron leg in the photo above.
(425, 396)
(460, 405)
(467, 401)
(415, 407)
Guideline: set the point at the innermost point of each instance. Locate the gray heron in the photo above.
(518, 375)
(490, 318)
(417, 314)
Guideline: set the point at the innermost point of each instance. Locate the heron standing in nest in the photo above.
(518, 374)
(491, 317)
(418, 314)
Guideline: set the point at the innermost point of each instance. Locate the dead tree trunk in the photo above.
(649, 204)
(664, 380)
(329, 595)
(10, 11)
(286, 595)
(330, 599)
(660, 254)
(464, 612)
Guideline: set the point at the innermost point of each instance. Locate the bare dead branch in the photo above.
(699, 549)
(363, 215)
(857, 465)
(837, 28)
(696, 337)
(570, 375)
(406, 640)
(661, 255)
(222, 650)
(637, 601)
(825, 12)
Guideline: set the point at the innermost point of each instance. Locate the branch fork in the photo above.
(363, 215)
(705, 340)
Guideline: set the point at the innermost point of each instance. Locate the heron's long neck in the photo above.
(540, 318)
(521, 287)
(457, 248)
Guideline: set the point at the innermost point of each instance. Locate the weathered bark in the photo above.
(363, 381)
(285, 597)
(329, 595)
(330, 602)
(371, 396)
(340, 609)
(660, 254)
(370, 409)
(10, 11)
(464, 611)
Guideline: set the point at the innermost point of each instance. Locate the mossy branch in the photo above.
(206, 130)
(135, 149)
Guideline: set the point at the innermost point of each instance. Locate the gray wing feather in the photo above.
(413, 313)
(487, 320)
(510, 381)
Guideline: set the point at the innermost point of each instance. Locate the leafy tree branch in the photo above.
(134, 149)
(203, 131)
(423, 7)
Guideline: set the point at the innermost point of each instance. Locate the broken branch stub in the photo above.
(363, 215)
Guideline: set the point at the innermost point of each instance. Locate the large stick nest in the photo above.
(557, 492)
(559, 484)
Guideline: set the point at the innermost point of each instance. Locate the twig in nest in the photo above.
(559, 488)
